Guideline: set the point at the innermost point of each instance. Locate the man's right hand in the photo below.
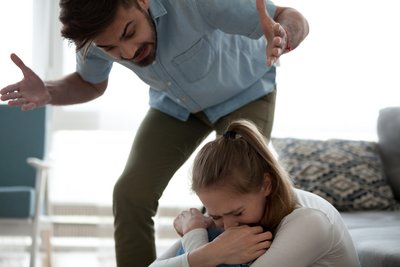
(29, 93)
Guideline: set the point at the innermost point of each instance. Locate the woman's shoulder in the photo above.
(306, 215)
(313, 203)
(313, 210)
(307, 223)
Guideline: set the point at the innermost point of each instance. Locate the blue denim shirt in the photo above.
(210, 57)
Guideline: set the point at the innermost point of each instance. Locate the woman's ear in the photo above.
(267, 187)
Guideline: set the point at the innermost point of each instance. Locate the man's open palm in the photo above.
(29, 93)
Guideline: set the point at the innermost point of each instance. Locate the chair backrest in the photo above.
(22, 135)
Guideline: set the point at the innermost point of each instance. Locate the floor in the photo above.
(67, 254)
(61, 259)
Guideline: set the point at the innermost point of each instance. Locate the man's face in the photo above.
(131, 36)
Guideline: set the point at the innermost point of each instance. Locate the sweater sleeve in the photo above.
(194, 239)
(190, 241)
(303, 237)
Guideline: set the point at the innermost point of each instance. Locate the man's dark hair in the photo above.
(84, 20)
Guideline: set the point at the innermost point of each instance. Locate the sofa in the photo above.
(361, 179)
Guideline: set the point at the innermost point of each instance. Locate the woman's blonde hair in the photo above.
(243, 150)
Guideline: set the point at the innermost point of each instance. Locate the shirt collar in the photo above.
(157, 9)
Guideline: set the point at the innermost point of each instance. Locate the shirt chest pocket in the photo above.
(196, 62)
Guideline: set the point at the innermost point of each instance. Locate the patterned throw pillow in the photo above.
(346, 173)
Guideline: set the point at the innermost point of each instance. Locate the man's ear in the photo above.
(267, 187)
(144, 4)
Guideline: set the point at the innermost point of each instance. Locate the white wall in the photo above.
(347, 69)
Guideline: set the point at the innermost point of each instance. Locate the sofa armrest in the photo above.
(389, 145)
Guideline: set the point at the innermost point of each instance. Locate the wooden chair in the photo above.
(23, 175)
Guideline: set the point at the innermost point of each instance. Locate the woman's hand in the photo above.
(191, 219)
(29, 93)
(242, 244)
(277, 39)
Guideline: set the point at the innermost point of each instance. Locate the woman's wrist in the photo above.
(194, 239)
(205, 256)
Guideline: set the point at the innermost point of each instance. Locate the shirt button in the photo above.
(169, 83)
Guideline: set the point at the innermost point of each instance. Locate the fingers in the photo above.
(191, 219)
(254, 229)
(28, 106)
(15, 98)
(278, 45)
(260, 249)
(11, 95)
(278, 30)
(190, 212)
(20, 64)
(17, 102)
(258, 231)
(194, 211)
(264, 238)
(268, 26)
(263, 242)
(178, 226)
(21, 102)
(10, 89)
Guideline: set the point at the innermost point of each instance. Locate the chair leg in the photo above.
(35, 236)
(34, 251)
(46, 241)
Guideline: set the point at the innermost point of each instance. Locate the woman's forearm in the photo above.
(205, 256)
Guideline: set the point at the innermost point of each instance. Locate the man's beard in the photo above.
(153, 45)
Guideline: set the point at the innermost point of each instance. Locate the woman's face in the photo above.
(232, 209)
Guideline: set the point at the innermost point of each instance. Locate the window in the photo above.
(345, 71)
(332, 86)
(16, 32)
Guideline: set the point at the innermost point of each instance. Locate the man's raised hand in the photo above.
(274, 33)
(29, 93)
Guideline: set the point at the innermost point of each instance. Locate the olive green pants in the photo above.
(161, 145)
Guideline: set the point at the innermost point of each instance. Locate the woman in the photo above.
(266, 221)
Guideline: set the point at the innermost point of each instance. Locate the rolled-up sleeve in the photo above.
(93, 67)
(234, 16)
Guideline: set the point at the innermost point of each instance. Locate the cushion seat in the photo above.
(19, 201)
(376, 235)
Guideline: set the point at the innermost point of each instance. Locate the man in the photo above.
(205, 63)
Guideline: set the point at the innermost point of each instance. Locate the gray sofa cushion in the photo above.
(376, 235)
(346, 173)
(389, 143)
